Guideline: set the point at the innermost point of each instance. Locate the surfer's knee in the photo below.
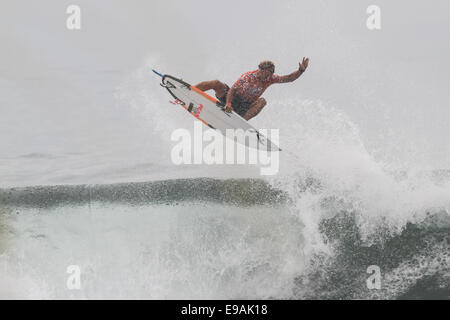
(220, 87)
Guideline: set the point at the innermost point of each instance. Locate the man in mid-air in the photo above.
(244, 97)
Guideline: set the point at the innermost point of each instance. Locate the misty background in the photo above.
(70, 92)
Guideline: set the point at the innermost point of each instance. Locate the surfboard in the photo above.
(212, 112)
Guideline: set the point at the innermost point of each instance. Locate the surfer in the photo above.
(244, 96)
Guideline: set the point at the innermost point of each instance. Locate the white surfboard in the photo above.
(212, 112)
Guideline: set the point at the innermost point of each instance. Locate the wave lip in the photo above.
(243, 192)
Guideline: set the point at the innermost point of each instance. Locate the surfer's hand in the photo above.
(303, 65)
(228, 107)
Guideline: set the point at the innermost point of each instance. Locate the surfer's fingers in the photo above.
(305, 62)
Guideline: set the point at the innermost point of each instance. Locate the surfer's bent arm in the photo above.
(230, 97)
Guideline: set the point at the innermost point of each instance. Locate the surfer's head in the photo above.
(266, 69)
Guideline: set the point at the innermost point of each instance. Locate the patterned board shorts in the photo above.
(240, 105)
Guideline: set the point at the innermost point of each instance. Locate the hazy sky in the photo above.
(392, 83)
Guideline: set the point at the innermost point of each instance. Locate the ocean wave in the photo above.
(302, 242)
(244, 192)
(416, 257)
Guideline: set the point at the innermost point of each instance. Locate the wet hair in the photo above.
(267, 65)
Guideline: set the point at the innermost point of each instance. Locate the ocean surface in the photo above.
(205, 238)
(309, 232)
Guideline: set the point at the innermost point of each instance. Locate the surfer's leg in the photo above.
(255, 108)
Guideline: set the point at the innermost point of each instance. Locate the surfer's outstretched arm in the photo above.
(296, 74)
